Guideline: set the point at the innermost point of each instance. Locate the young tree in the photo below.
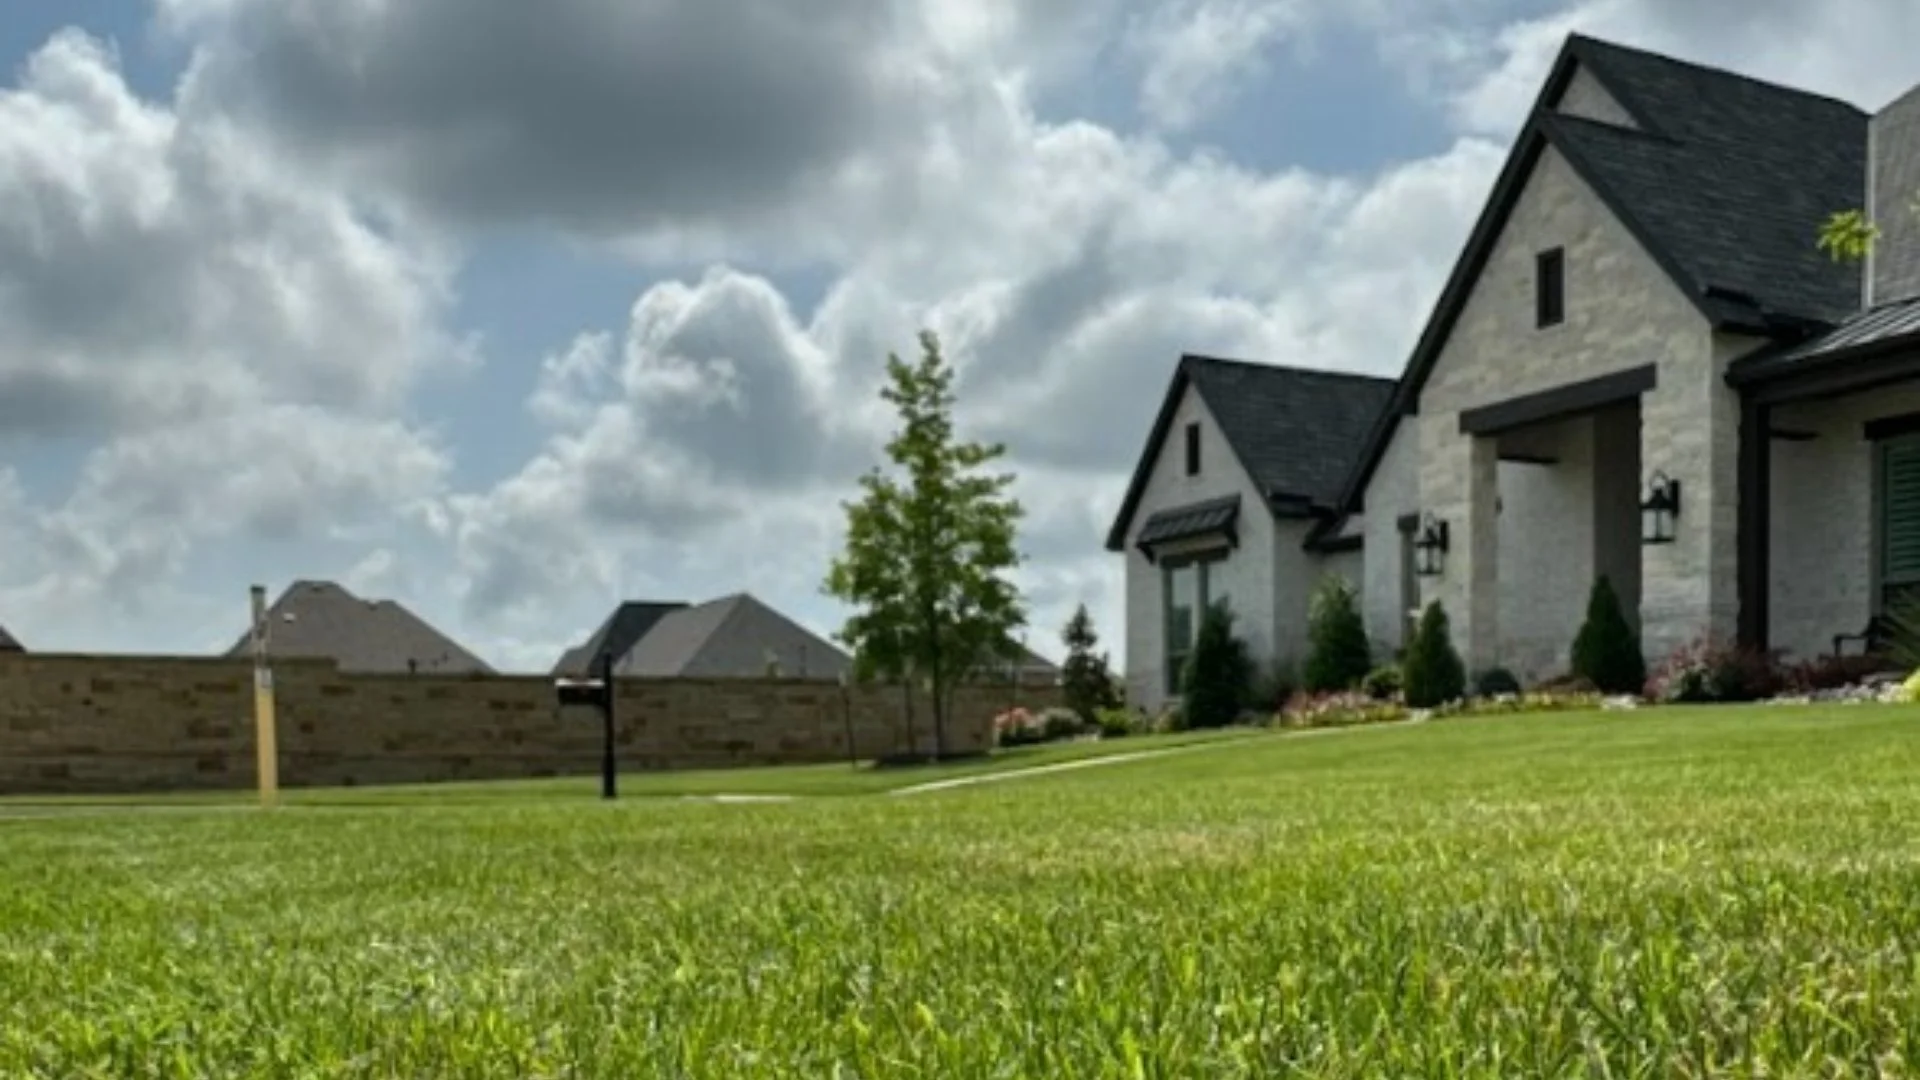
(1085, 680)
(1432, 672)
(1339, 654)
(929, 547)
(1219, 675)
(1606, 651)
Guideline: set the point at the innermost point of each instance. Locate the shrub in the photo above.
(1834, 672)
(1339, 654)
(1703, 671)
(1017, 727)
(1433, 674)
(1567, 684)
(1495, 682)
(1120, 723)
(1059, 723)
(1274, 686)
(1219, 675)
(1606, 652)
(1344, 709)
(1382, 683)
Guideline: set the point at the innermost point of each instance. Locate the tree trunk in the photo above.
(906, 701)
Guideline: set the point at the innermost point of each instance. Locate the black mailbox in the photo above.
(596, 692)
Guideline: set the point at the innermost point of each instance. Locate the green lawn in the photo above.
(1707, 892)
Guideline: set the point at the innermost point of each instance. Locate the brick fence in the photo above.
(77, 724)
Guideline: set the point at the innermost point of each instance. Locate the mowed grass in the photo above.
(1687, 893)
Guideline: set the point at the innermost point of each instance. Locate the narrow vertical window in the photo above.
(1550, 287)
(1193, 449)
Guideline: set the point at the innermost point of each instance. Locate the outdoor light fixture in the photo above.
(1659, 510)
(596, 692)
(1430, 547)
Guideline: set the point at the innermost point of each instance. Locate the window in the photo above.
(1899, 520)
(1550, 287)
(1193, 449)
(1189, 590)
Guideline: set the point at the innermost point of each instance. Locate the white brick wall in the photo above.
(1824, 519)
(1621, 312)
(1247, 576)
(1585, 97)
(1546, 550)
(1393, 490)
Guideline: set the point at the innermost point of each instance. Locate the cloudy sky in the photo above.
(507, 309)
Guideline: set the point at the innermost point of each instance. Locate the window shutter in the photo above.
(1900, 513)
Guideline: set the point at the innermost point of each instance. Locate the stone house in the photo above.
(1641, 366)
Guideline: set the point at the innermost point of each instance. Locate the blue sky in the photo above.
(550, 313)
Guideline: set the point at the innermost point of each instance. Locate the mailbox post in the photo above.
(596, 691)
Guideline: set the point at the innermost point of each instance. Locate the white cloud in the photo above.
(264, 383)
(1198, 53)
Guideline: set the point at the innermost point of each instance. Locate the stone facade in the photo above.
(1622, 312)
(1825, 518)
(1246, 576)
(1268, 579)
(128, 723)
(1894, 200)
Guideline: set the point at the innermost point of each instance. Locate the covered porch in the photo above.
(1830, 494)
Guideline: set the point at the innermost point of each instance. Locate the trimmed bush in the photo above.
(1433, 674)
(1219, 676)
(1495, 682)
(1383, 683)
(1606, 652)
(1705, 672)
(1339, 654)
(1120, 723)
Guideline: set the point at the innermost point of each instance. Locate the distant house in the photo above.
(734, 637)
(322, 620)
(9, 643)
(1030, 666)
(617, 636)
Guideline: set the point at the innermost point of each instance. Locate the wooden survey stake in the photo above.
(263, 723)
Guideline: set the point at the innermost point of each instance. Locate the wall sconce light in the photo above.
(1659, 510)
(1430, 547)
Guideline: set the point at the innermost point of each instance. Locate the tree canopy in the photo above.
(930, 546)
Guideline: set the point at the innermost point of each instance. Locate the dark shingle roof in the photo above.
(322, 620)
(617, 636)
(1730, 176)
(1193, 519)
(730, 638)
(1726, 184)
(1296, 431)
(9, 643)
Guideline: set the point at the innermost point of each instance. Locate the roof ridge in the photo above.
(1295, 369)
(1589, 41)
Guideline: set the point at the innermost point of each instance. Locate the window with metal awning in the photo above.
(1210, 518)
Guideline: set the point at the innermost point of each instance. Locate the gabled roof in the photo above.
(1295, 431)
(1725, 183)
(9, 643)
(732, 637)
(617, 636)
(322, 620)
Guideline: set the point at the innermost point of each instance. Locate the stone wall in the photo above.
(137, 723)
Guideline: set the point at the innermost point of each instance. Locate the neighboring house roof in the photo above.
(732, 637)
(1725, 183)
(322, 620)
(617, 636)
(1295, 431)
(9, 643)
